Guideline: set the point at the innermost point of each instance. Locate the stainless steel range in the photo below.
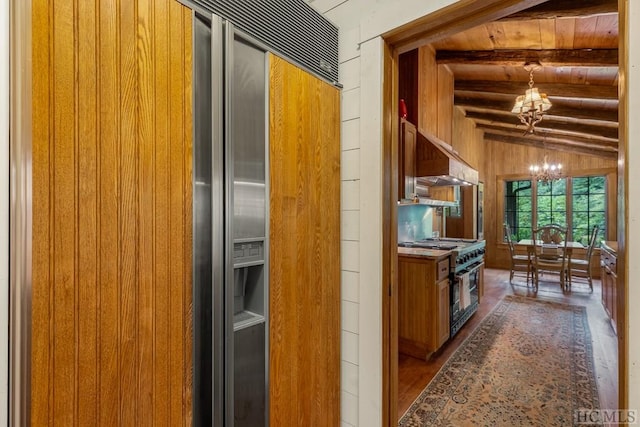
(467, 260)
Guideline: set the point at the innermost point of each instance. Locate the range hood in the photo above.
(438, 164)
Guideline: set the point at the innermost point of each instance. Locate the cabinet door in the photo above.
(613, 295)
(111, 307)
(607, 291)
(443, 323)
(407, 156)
(304, 273)
(603, 277)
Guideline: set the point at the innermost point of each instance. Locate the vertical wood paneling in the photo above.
(162, 148)
(146, 173)
(128, 212)
(428, 90)
(111, 213)
(304, 249)
(187, 218)
(108, 148)
(41, 375)
(176, 229)
(444, 103)
(63, 212)
(87, 236)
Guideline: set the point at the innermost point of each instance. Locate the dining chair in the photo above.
(519, 263)
(550, 252)
(582, 267)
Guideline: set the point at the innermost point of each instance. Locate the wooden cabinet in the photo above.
(481, 283)
(304, 331)
(423, 295)
(443, 322)
(407, 160)
(609, 277)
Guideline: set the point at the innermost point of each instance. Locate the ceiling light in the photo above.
(531, 106)
(546, 172)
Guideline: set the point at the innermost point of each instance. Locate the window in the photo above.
(578, 203)
(588, 207)
(518, 208)
(552, 203)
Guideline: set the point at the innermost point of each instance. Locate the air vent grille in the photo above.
(289, 27)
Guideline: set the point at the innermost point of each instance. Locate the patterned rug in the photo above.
(528, 363)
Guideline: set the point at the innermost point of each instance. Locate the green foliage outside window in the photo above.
(552, 203)
(518, 208)
(589, 207)
(587, 200)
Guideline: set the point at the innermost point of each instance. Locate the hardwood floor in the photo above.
(415, 374)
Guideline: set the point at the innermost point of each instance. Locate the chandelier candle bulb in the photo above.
(547, 172)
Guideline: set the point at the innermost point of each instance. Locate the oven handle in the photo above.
(471, 269)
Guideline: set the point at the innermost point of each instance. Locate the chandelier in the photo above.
(546, 172)
(531, 106)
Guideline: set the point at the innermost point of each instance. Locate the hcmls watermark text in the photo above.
(605, 416)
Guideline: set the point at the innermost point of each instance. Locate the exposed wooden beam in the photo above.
(548, 122)
(555, 89)
(547, 134)
(557, 109)
(565, 9)
(493, 137)
(546, 57)
(459, 16)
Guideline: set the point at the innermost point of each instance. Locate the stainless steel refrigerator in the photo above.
(230, 236)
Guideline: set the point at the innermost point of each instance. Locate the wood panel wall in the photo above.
(408, 84)
(304, 306)
(112, 207)
(469, 142)
(510, 160)
(435, 95)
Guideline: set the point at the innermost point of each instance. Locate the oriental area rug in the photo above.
(528, 363)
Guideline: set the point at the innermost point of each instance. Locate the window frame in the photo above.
(610, 176)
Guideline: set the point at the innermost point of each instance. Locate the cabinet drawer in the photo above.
(608, 260)
(442, 269)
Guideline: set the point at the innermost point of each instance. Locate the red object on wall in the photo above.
(403, 109)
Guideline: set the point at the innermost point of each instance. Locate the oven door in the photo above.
(474, 271)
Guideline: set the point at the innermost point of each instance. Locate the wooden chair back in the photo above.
(550, 244)
(507, 232)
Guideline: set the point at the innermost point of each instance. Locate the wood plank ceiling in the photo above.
(576, 42)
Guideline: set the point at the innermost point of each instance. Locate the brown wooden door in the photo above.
(304, 309)
(111, 324)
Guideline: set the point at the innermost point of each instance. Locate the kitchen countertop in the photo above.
(423, 253)
(611, 246)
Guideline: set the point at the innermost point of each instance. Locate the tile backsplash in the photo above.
(415, 222)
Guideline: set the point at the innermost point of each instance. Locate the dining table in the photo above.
(528, 243)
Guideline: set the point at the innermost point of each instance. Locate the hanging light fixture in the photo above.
(546, 172)
(531, 106)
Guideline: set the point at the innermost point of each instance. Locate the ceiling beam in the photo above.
(548, 122)
(517, 57)
(494, 137)
(457, 17)
(555, 89)
(547, 134)
(557, 109)
(565, 9)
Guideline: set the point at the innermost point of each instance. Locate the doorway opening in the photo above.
(429, 29)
